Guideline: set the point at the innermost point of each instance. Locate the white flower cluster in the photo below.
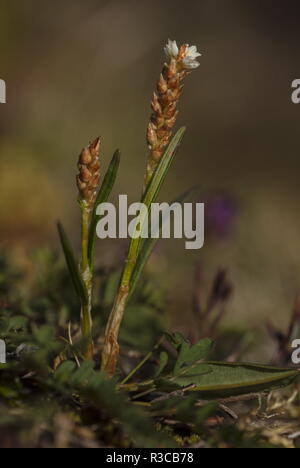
(189, 61)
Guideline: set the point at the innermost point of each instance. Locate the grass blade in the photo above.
(162, 169)
(102, 197)
(72, 266)
(148, 198)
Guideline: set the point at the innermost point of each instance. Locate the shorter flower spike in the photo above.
(89, 173)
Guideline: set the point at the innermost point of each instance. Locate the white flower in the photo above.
(189, 60)
(171, 49)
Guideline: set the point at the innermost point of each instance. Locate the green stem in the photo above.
(110, 354)
(146, 358)
(86, 316)
(137, 368)
(111, 347)
(85, 219)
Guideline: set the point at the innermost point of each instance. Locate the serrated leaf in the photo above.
(72, 266)
(220, 380)
(102, 197)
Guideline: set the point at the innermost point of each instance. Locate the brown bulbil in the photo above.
(89, 173)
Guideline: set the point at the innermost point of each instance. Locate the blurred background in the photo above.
(78, 69)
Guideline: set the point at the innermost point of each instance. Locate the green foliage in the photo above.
(215, 379)
(46, 400)
(162, 170)
(163, 361)
(100, 391)
(73, 266)
(220, 380)
(135, 264)
(188, 354)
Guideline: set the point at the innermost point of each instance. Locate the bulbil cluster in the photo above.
(180, 62)
(89, 173)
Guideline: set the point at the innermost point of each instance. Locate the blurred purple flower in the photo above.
(220, 214)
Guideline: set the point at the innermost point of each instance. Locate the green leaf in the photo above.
(72, 266)
(162, 169)
(83, 374)
(220, 380)
(148, 198)
(176, 339)
(102, 197)
(187, 353)
(163, 361)
(167, 385)
(191, 354)
(147, 245)
(64, 372)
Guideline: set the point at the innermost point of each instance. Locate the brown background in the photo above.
(75, 69)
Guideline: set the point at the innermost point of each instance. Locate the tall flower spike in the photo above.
(180, 62)
(89, 173)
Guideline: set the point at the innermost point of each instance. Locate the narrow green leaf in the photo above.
(166, 385)
(162, 169)
(102, 197)
(163, 361)
(72, 266)
(220, 380)
(148, 198)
